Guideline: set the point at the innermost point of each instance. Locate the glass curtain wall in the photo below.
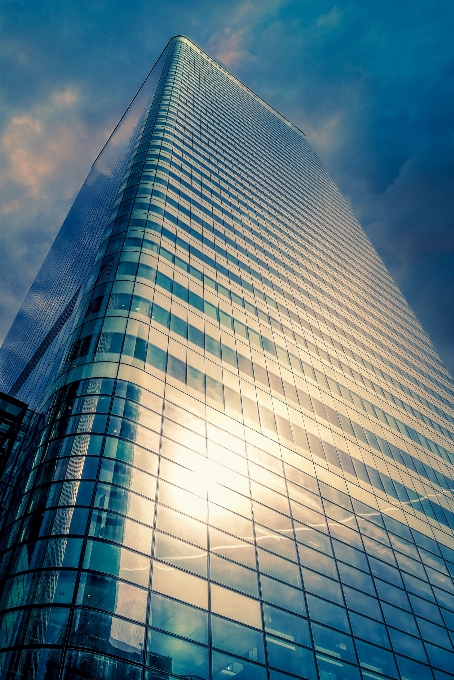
(243, 467)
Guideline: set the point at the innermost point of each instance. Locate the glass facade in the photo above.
(12, 412)
(241, 463)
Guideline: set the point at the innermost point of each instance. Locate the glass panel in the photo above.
(362, 603)
(375, 659)
(411, 669)
(440, 658)
(291, 658)
(228, 667)
(313, 539)
(231, 637)
(385, 572)
(46, 626)
(172, 655)
(390, 593)
(400, 619)
(175, 617)
(108, 634)
(405, 644)
(332, 642)
(119, 500)
(182, 500)
(282, 595)
(320, 585)
(356, 578)
(426, 609)
(235, 606)
(273, 520)
(279, 568)
(282, 624)
(232, 547)
(325, 612)
(121, 530)
(180, 585)
(350, 555)
(117, 561)
(97, 667)
(330, 669)
(274, 542)
(314, 560)
(231, 522)
(370, 630)
(180, 554)
(181, 526)
(433, 633)
(233, 575)
(113, 596)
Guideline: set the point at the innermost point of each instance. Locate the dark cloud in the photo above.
(371, 85)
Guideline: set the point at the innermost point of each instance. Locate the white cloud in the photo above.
(34, 145)
(229, 44)
(46, 153)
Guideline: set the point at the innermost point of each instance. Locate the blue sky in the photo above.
(371, 82)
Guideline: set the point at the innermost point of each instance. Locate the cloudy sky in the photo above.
(371, 82)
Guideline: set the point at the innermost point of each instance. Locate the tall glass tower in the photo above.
(241, 461)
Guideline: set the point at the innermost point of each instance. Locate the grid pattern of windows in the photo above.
(244, 465)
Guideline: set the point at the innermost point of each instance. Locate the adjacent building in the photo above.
(240, 459)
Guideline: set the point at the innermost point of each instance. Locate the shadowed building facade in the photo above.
(240, 463)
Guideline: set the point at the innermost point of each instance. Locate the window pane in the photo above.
(279, 568)
(375, 659)
(275, 542)
(433, 633)
(390, 593)
(97, 667)
(369, 630)
(282, 624)
(289, 657)
(233, 575)
(356, 578)
(117, 561)
(175, 617)
(172, 655)
(362, 603)
(232, 547)
(180, 585)
(408, 645)
(181, 526)
(235, 606)
(314, 560)
(180, 554)
(333, 643)
(282, 595)
(440, 658)
(240, 640)
(320, 585)
(336, 670)
(104, 633)
(114, 596)
(226, 666)
(313, 539)
(410, 670)
(400, 619)
(325, 612)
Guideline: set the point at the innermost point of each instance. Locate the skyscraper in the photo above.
(241, 459)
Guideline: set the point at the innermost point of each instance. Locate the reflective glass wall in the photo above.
(243, 467)
(28, 353)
